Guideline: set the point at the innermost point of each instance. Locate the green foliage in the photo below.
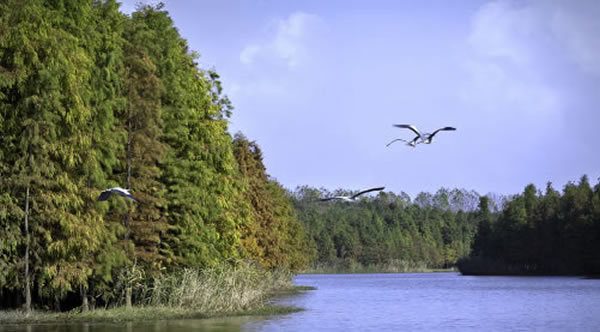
(388, 232)
(144, 152)
(272, 236)
(47, 114)
(198, 168)
(91, 99)
(540, 233)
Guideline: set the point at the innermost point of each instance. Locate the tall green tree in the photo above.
(144, 151)
(549, 233)
(47, 111)
(199, 170)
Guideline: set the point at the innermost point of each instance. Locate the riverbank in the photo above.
(477, 266)
(395, 266)
(145, 313)
(369, 270)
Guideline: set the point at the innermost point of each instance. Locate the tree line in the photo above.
(90, 99)
(539, 232)
(533, 232)
(389, 232)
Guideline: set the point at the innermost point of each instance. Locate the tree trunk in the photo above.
(129, 152)
(84, 300)
(27, 283)
(128, 297)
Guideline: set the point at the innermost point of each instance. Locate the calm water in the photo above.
(384, 302)
(441, 301)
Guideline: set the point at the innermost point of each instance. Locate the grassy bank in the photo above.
(142, 313)
(216, 292)
(135, 313)
(393, 266)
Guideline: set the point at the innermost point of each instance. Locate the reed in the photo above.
(223, 288)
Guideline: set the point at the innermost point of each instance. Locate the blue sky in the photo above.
(318, 84)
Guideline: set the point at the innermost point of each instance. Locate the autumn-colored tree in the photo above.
(273, 236)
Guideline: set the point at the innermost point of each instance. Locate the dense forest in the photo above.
(540, 233)
(527, 233)
(389, 232)
(91, 99)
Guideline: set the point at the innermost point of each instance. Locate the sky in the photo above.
(318, 85)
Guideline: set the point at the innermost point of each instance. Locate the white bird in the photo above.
(353, 197)
(104, 195)
(425, 138)
(411, 143)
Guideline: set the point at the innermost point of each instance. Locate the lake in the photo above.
(411, 301)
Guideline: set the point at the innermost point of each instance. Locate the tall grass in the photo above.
(224, 288)
(243, 288)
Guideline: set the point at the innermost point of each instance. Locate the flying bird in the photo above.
(353, 197)
(104, 195)
(425, 138)
(411, 143)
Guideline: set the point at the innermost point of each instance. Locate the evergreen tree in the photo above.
(47, 112)
(273, 236)
(143, 153)
(199, 172)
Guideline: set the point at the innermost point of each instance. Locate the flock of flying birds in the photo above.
(425, 138)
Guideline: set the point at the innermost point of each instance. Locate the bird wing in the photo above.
(127, 195)
(104, 195)
(332, 198)
(411, 127)
(445, 128)
(397, 139)
(366, 191)
(124, 193)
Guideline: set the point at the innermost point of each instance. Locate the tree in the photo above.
(144, 151)
(47, 113)
(198, 171)
(273, 236)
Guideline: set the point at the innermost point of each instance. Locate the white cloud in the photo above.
(249, 53)
(287, 42)
(493, 87)
(500, 29)
(510, 51)
(578, 29)
(525, 33)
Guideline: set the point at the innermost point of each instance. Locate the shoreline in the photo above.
(368, 271)
(141, 313)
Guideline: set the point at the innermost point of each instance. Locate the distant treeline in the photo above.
(540, 233)
(91, 99)
(388, 231)
(528, 233)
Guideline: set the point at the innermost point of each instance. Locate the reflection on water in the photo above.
(181, 325)
(392, 302)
